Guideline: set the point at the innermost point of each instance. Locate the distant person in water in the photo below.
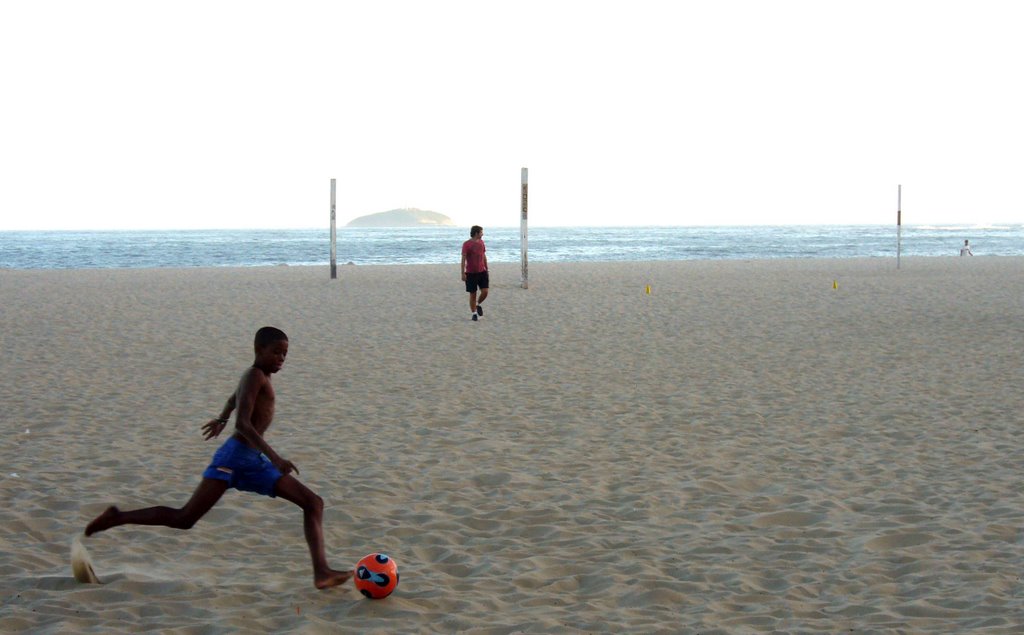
(966, 249)
(245, 462)
(474, 271)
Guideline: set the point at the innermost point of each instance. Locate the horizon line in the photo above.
(935, 224)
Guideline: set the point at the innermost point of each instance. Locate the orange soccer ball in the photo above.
(376, 576)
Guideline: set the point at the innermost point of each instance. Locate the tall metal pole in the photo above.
(899, 222)
(334, 236)
(522, 231)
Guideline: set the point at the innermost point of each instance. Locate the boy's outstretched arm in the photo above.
(215, 426)
(253, 382)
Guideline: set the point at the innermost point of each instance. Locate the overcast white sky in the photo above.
(237, 114)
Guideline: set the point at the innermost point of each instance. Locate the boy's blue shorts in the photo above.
(244, 468)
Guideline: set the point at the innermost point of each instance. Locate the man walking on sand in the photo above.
(474, 270)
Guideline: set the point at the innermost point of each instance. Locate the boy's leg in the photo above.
(471, 290)
(484, 284)
(291, 489)
(206, 496)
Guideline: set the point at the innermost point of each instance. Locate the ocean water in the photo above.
(245, 248)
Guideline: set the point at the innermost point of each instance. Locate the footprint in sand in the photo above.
(787, 519)
(899, 541)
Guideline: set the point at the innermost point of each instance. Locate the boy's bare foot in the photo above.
(103, 521)
(331, 578)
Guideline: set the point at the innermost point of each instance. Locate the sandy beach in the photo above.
(794, 446)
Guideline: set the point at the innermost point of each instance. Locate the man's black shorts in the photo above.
(476, 281)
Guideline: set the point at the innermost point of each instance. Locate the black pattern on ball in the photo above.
(380, 579)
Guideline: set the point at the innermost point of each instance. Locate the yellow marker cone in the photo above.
(647, 289)
(835, 284)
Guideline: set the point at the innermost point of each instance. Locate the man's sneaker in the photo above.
(474, 317)
(479, 310)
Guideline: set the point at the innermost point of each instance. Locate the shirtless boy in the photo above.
(245, 462)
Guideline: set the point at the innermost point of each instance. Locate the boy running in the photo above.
(245, 462)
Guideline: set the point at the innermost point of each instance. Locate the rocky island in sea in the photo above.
(405, 217)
